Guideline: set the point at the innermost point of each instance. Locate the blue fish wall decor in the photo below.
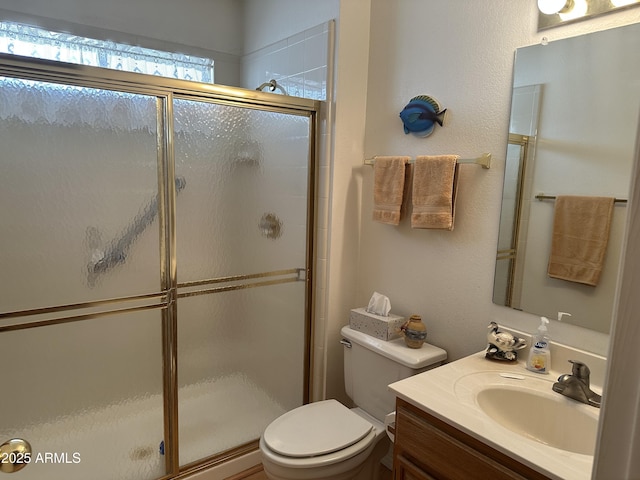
(421, 114)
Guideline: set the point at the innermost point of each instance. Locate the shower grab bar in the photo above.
(117, 253)
(484, 160)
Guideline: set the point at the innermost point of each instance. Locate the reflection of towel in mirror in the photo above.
(579, 239)
(435, 185)
(388, 188)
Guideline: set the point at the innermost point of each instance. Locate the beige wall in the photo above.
(216, 25)
(461, 53)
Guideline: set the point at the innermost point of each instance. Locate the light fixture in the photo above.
(550, 7)
(557, 12)
(578, 9)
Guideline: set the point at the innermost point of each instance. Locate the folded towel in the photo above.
(579, 239)
(434, 191)
(388, 188)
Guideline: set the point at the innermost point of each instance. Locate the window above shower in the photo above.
(25, 40)
(300, 64)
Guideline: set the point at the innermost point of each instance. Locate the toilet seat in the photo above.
(316, 429)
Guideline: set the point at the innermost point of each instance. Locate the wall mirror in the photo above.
(573, 128)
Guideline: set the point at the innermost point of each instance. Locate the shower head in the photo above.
(272, 84)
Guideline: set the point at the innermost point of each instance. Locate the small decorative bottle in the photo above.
(414, 331)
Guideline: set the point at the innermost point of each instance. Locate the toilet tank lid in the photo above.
(397, 350)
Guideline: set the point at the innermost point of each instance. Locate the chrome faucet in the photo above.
(577, 386)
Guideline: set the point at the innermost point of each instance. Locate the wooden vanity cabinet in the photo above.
(427, 448)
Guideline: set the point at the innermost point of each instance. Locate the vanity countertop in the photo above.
(435, 392)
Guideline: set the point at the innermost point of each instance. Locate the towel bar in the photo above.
(542, 196)
(483, 160)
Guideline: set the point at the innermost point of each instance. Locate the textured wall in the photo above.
(461, 53)
(216, 25)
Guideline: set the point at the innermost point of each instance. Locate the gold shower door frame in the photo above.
(510, 254)
(165, 90)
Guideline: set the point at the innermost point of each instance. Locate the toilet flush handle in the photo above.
(345, 342)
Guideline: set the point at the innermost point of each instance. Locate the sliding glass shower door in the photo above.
(155, 265)
(242, 254)
(80, 298)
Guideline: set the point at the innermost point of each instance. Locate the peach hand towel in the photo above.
(388, 188)
(579, 239)
(434, 191)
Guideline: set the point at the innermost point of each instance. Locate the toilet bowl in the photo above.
(326, 440)
(323, 440)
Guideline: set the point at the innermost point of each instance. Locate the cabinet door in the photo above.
(405, 470)
(437, 449)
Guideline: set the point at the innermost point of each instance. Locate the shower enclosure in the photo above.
(155, 264)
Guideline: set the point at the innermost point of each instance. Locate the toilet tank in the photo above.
(371, 364)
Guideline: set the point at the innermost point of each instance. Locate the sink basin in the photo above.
(528, 406)
(546, 420)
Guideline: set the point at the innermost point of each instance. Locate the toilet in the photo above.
(327, 440)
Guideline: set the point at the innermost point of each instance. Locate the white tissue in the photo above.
(379, 305)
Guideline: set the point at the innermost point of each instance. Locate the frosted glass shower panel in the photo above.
(79, 166)
(241, 231)
(241, 361)
(89, 392)
(245, 210)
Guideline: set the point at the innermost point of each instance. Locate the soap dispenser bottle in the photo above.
(539, 355)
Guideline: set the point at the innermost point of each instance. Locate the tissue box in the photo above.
(384, 328)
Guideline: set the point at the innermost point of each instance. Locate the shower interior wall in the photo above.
(297, 63)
